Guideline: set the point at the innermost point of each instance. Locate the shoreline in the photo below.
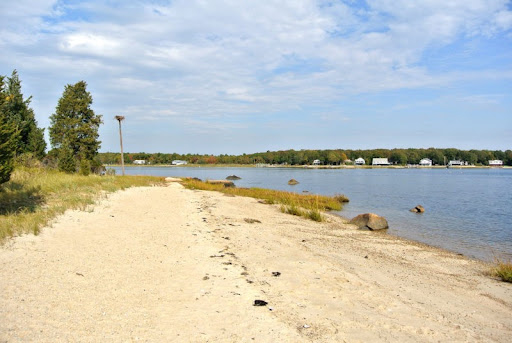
(171, 264)
(300, 166)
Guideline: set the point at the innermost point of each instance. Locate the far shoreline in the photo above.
(306, 166)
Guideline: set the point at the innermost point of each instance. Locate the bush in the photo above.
(503, 270)
(85, 167)
(66, 162)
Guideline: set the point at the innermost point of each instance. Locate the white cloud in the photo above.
(198, 60)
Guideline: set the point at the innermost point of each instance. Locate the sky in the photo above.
(245, 76)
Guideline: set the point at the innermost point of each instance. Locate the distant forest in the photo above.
(327, 157)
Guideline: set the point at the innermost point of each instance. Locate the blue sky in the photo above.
(247, 76)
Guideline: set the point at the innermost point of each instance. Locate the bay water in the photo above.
(468, 211)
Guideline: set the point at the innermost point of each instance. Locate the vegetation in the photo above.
(305, 205)
(327, 157)
(19, 134)
(34, 196)
(7, 149)
(16, 112)
(74, 130)
(503, 270)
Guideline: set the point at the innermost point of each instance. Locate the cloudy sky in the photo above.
(235, 76)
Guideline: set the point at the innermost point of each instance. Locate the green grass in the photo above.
(503, 270)
(34, 196)
(305, 205)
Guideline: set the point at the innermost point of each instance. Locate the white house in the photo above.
(360, 161)
(426, 162)
(457, 163)
(178, 162)
(380, 162)
(496, 163)
(139, 162)
(316, 162)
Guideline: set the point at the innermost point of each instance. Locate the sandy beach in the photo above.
(167, 264)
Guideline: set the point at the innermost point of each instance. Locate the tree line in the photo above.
(73, 131)
(326, 157)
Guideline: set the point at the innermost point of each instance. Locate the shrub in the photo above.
(503, 270)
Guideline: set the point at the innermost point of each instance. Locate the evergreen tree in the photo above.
(74, 126)
(20, 116)
(7, 139)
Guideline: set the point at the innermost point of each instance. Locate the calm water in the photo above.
(467, 210)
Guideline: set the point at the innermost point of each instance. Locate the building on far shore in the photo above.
(360, 161)
(139, 162)
(496, 163)
(457, 163)
(178, 162)
(316, 162)
(380, 162)
(426, 162)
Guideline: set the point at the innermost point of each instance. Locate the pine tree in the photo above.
(20, 116)
(7, 140)
(74, 125)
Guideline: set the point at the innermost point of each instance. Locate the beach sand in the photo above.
(166, 264)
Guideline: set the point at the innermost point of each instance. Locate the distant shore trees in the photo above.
(327, 157)
(74, 130)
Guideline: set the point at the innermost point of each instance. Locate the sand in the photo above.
(166, 264)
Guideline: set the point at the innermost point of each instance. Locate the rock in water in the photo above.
(370, 221)
(233, 177)
(293, 182)
(418, 209)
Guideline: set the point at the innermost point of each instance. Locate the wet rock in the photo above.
(418, 209)
(233, 177)
(370, 221)
(293, 182)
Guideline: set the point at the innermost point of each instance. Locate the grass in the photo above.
(304, 205)
(34, 196)
(503, 270)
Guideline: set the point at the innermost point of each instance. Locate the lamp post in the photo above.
(120, 119)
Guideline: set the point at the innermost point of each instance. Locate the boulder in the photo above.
(418, 209)
(233, 177)
(370, 221)
(293, 182)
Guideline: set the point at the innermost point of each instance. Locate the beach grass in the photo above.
(305, 205)
(503, 270)
(34, 196)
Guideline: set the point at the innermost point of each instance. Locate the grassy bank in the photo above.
(305, 205)
(35, 196)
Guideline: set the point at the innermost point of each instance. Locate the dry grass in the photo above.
(34, 196)
(503, 270)
(305, 205)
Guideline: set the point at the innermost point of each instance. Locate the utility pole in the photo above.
(120, 119)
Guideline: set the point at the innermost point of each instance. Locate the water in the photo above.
(467, 210)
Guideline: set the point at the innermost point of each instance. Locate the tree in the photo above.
(7, 140)
(74, 126)
(20, 116)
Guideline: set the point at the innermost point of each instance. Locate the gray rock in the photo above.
(370, 221)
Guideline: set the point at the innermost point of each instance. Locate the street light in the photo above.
(120, 119)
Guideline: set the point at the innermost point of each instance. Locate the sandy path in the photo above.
(167, 264)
